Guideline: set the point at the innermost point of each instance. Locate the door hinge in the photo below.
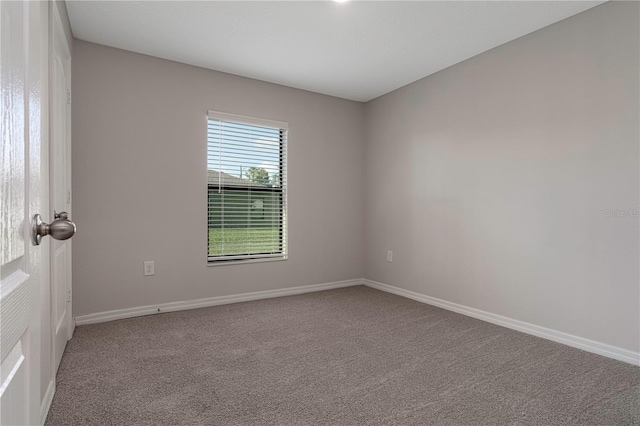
(69, 197)
(68, 96)
(68, 295)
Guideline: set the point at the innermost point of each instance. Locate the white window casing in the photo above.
(246, 189)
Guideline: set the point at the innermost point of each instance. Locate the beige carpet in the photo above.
(349, 356)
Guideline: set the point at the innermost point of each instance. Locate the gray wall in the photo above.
(140, 181)
(490, 180)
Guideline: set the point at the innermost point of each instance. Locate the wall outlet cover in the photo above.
(149, 268)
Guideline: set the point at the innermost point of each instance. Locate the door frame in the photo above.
(53, 23)
(57, 26)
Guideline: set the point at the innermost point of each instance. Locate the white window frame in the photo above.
(240, 259)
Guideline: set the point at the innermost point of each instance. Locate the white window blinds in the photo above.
(247, 188)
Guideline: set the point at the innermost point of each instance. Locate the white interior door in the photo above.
(21, 189)
(60, 175)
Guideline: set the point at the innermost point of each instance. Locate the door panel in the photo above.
(22, 66)
(15, 285)
(14, 377)
(13, 150)
(60, 180)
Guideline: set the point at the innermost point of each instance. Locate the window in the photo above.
(247, 189)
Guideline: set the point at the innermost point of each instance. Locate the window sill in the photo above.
(241, 261)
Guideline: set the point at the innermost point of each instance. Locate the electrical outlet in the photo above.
(149, 268)
(389, 256)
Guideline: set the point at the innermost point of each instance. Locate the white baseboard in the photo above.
(535, 330)
(46, 402)
(546, 333)
(210, 301)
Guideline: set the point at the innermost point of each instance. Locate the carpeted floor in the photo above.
(348, 356)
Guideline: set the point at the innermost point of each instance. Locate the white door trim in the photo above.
(57, 33)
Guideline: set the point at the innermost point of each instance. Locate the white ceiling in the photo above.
(355, 50)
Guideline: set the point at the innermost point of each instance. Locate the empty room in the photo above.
(320, 213)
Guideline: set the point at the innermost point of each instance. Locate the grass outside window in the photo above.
(237, 241)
